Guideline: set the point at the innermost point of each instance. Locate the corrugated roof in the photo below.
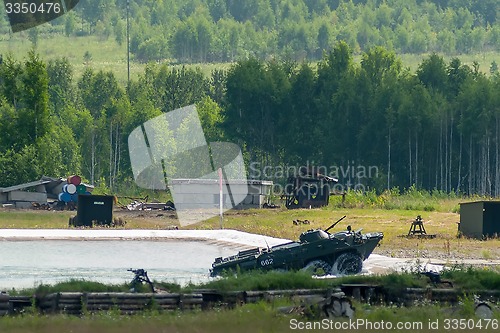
(23, 186)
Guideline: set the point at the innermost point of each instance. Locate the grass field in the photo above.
(108, 55)
(440, 218)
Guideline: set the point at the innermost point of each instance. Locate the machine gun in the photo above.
(435, 278)
(334, 224)
(140, 277)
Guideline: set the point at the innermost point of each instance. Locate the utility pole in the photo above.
(128, 44)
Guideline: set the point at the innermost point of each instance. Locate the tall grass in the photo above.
(409, 199)
(466, 278)
(73, 285)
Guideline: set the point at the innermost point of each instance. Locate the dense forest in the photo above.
(190, 31)
(436, 128)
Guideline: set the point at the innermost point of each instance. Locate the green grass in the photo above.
(108, 55)
(466, 278)
(259, 317)
(73, 286)
(30, 219)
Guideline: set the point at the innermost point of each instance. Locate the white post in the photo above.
(221, 196)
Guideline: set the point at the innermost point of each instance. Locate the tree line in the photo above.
(191, 31)
(436, 128)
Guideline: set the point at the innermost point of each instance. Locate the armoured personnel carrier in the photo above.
(317, 251)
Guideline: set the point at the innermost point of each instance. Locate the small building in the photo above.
(480, 219)
(204, 193)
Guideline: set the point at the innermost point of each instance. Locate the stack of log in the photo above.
(125, 303)
(4, 304)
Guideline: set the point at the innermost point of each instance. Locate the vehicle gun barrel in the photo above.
(334, 224)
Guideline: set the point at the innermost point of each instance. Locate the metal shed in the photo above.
(480, 219)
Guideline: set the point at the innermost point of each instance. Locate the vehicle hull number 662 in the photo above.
(266, 262)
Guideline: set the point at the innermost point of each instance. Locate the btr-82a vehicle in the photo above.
(317, 251)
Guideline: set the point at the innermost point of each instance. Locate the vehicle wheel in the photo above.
(348, 263)
(317, 267)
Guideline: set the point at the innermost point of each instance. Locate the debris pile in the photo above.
(47, 193)
(139, 205)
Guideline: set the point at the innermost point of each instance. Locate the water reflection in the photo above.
(29, 263)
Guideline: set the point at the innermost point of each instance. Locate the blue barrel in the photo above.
(87, 193)
(74, 197)
(64, 197)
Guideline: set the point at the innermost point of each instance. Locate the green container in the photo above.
(81, 189)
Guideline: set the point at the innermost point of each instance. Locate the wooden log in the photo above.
(169, 295)
(73, 312)
(252, 293)
(169, 306)
(66, 307)
(70, 302)
(119, 295)
(483, 310)
(99, 307)
(21, 298)
(124, 301)
(168, 301)
(293, 292)
(63, 296)
(192, 300)
(128, 307)
(489, 294)
(45, 305)
(444, 295)
(253, 296)
(50, 296)
(98, 304)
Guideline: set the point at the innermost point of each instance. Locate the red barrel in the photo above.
(75, 180)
